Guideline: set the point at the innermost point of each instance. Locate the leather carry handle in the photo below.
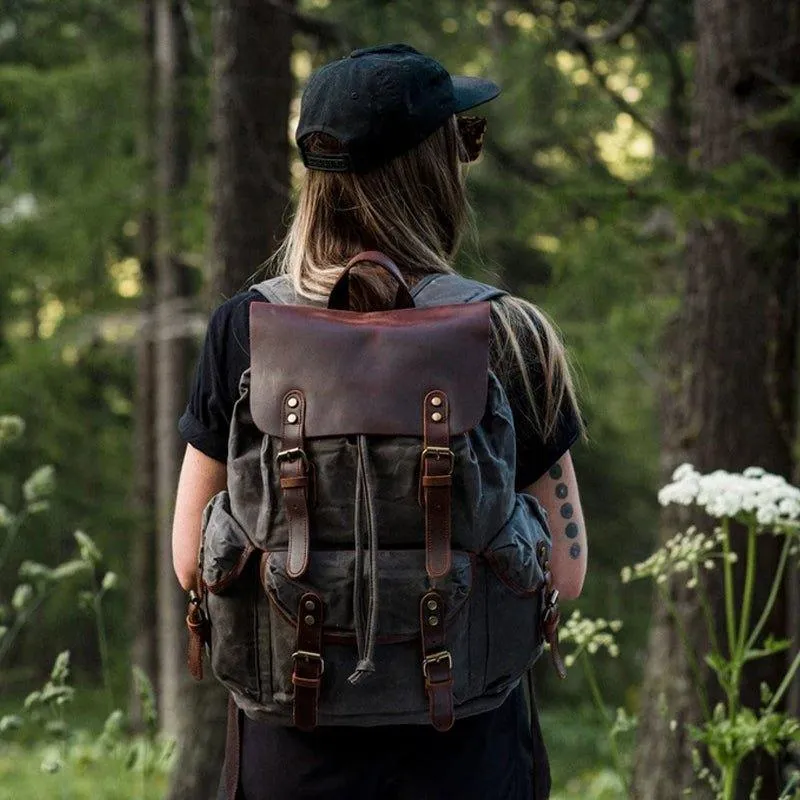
(340, 294)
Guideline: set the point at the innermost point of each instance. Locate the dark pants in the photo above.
(486, 757)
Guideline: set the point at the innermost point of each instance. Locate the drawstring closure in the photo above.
(365, 639)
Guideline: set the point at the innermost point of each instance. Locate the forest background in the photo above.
(146, 172)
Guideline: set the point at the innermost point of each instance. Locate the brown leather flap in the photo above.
(368, 372)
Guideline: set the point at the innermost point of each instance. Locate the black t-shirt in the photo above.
(226, 355)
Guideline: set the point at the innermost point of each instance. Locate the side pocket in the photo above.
(231, 580)
(515, 581)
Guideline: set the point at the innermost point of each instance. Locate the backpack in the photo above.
(370, 561)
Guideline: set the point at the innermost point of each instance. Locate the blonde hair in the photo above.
(415, 210)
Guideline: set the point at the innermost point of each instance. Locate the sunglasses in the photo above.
(473, 132)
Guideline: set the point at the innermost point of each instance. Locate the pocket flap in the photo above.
(402, 583)
(512, 554)
(226, 547)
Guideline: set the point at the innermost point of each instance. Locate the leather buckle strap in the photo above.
(293, 469)
(551, 615)
(197, 623)
(436, 658)
(437, 662)
(436, 473)
(308, 664)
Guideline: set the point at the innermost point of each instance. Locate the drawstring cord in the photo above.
(365, 643)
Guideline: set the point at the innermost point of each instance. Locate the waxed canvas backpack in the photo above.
(370, 561)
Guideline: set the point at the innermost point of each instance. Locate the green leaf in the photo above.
(88, 549)
(22, 597)
(110, 580)
(39, 485)
(34, 571)
(69, 569)
(10, 722)
(60, 671)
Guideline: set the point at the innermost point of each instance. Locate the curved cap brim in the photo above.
(470, 92)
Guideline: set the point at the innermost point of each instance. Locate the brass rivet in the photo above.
(433, 621)
(309, 619)
(436, 416)
(292, 402)
(291, 419)
(309, 605)
(436, 401)
(432, 605)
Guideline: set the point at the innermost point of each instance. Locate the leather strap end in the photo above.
(440, 698)
(551, 636)
(198, 634)
(437, 565)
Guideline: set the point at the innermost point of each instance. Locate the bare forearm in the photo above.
(558, 493)
(201, 478)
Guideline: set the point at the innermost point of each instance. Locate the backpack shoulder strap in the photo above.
(451, 289)
(440, 289)
(277, 290)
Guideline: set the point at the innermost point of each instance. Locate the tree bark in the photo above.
(252, 92)
(144, 650)
(171, 49)
(728, 397)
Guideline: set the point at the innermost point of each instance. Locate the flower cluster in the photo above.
(683, 553)
(590, 634)
(754, 493)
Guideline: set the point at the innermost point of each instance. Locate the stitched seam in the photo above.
(232, 574)
(504, 578)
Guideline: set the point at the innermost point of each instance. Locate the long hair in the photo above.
(415, 210)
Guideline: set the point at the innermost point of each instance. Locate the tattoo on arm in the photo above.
(567, 510)
(571, 530)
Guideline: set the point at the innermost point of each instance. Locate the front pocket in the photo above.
(230, 577)
(396, 687)
(515, 581)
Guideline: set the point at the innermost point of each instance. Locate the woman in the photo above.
(385, 152)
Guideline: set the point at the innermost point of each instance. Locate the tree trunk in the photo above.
(144, 651)
(728, 401)
(170, 347)
(252, 93)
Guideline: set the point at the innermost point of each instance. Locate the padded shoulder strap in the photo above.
(432, 290)
(450, 289)
(277, 290)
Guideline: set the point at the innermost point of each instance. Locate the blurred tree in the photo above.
(252, 91)
(172, 174)
(144, 649)
(732, 375)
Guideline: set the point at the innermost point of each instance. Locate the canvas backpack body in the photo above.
(370, 561)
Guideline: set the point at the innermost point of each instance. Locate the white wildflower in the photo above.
(770, 498)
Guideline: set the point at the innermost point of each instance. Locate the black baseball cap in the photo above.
(380, 102)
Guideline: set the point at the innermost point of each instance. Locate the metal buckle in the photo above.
(435, 658)
(309, 656)
(437, 453)
(550, 604)
(291, 454)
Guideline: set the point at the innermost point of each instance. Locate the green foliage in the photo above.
(43, 721)
(766, 505)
